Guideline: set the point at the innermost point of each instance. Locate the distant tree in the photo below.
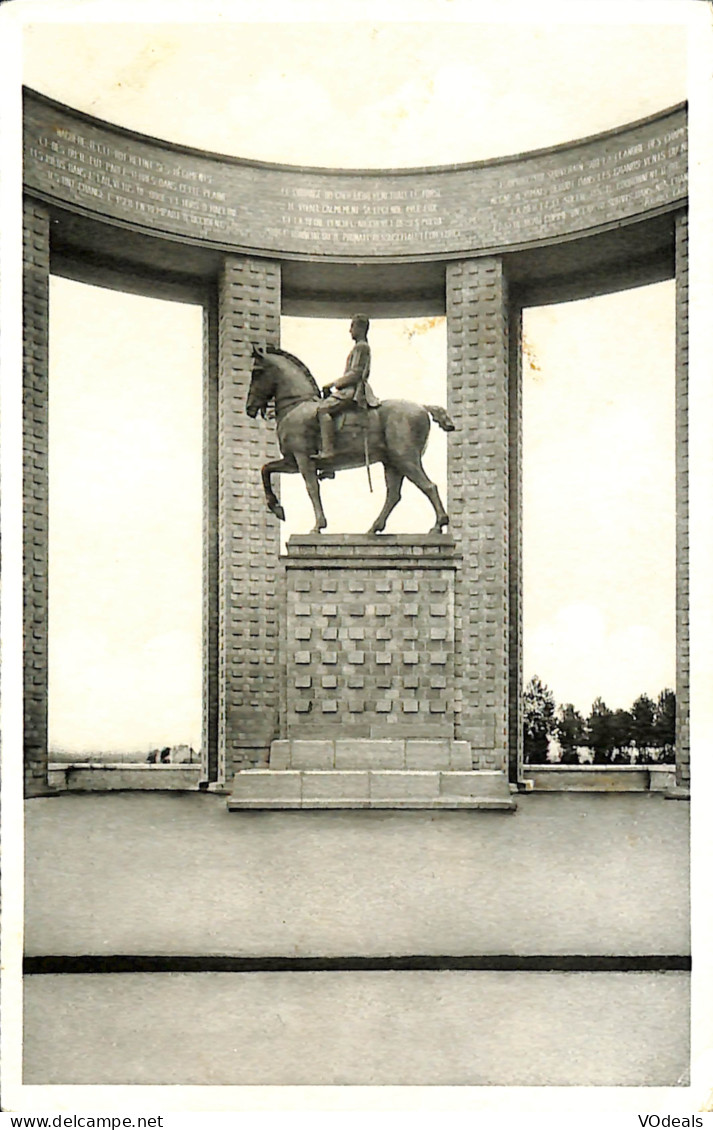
(600, 731)
(539, 720)
(664, 727)
(622, 734)
(648, 726)
(642, 722)
(570, 732)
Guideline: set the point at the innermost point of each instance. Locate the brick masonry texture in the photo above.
(515, 706)
(478, 496)
(35, 491)
(248, 537)
(367, 638)
(682, 570)
(211, 618)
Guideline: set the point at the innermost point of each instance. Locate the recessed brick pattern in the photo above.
(248, 536)
(211, 613)
(683, 665)
(35, 489)
(515, 640)
(371, 633)
(478, 400)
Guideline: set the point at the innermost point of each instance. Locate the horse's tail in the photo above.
(441, 417)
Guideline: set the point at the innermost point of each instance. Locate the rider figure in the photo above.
(350, 389)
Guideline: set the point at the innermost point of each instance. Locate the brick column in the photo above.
(35, 491)
(209, 743)
(682, 574)
(515, 713)
(248, 536)
(478, 371)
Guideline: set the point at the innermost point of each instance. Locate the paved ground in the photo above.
(507, 1029)
(177, 874)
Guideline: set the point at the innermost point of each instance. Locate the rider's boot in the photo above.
(327, 433)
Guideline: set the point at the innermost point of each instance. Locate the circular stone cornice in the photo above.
(545, 196)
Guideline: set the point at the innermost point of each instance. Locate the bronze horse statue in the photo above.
(394, 434)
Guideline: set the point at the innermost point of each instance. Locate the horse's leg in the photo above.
(406, 429)
(394, 480)
(412, 469)
(286, 466)
(308, 471)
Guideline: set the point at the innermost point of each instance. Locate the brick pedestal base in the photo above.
(368, 691)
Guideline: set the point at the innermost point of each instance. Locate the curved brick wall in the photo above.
(538, 197)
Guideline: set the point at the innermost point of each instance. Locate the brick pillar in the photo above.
(478, 371)
(209, 743)
(682, 574)
(515, 722)
(35, 491)
(248, 536)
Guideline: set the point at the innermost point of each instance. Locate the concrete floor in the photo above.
(177, 874)
(147, 873)
(369, 1029)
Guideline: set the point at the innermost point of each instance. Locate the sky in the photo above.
(599, 496)
(125, 520)
(362, 94)
(125, 534)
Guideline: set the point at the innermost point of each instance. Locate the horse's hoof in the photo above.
(278, 511)
(375, 529)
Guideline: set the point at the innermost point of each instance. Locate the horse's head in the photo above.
(278, 375)
(262, 384)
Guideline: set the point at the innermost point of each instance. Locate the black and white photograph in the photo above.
(356, 494)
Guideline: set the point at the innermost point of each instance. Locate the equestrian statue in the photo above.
(342, 427)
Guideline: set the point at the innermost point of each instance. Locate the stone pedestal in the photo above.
(368, 683)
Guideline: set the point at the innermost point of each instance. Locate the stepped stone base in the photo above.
(371, 773)
(369, 788)
(442, 754)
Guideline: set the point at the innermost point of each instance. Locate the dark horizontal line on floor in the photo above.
(212, 963)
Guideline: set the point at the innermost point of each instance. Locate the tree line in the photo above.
(643, 734)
